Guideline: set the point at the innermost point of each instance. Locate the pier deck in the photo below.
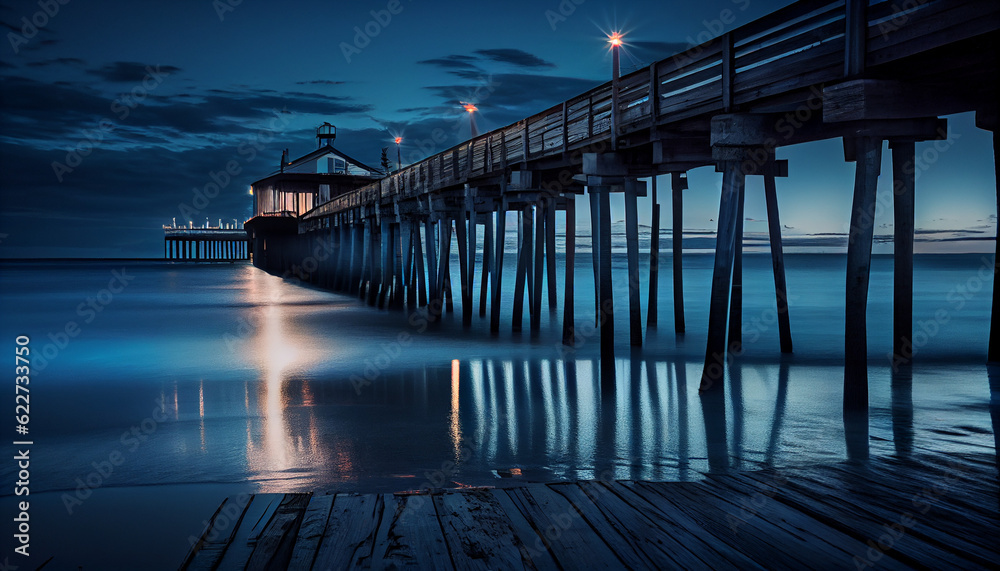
(930, 510)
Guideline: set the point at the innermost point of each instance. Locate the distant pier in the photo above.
(206, 244)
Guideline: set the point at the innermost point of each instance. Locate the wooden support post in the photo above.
(406, 235)
(550, 252)
(777, 263)
(366, 256)
(530, 274)
(433, 295)
(536, 298)
(524, 251)
(497, 273)
(385, 283)
(903, 156)
(677, 243)
(859, 255)
(463, 267)
(398, 268)
(444, 263)
(607, 296)
(357, 259)
(632, 253)
(470, 282)
(376, 266)
(569, 337)
(715, 352)
(487, 264)
(654, 260)
(993, 356)
(736, 294)
(418, 257)
(595, 251)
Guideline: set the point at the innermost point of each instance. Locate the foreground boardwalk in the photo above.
(930, 511)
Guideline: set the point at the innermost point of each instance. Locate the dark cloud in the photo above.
(515, 57)
(130, 71)
(37, 111)
(453, 62)
(319, 82)
(57, 61)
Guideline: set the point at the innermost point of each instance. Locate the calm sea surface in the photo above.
(158, 389)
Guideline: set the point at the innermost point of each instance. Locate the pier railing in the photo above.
(790, 50)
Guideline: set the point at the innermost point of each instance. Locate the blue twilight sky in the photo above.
(113, 112)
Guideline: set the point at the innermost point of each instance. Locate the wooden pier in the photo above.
(928, 511)
(866, 72)
(205, 244)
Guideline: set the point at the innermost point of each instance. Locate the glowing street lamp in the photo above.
(399, 161)
(615, 39)
(471, 108)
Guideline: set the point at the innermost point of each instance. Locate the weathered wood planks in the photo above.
(927, 510)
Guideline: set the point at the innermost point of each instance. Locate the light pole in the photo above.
(399, 161)
(471, 108)
(616, 43)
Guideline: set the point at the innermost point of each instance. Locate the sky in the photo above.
(114, 115)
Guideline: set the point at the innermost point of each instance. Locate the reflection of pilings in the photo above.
(780, 399)
(902, 410)
(713, 406)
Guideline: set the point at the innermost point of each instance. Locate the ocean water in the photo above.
(158, 389)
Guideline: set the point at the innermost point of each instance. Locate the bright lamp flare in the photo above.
(470, 108)
(615, 39)
(398, 140)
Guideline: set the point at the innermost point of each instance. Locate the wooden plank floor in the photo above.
(929, 511)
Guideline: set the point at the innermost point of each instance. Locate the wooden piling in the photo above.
(406, 233)
(421, 274)
(632, 247)
(550, 251)
(470, 282)
(536, 292)
(736, 294)
(595, 251)
(487, 265)
(677, 243)
(366, 263)
(859, 255)
(524, 251)
(654, 259)
(357, 257)
(463, 267)
(993, 356)
(497, 273)
(385, 284)
(903, 155)
(777, 263)
(398, 287)
(715, 353)
(569, 337)
(444, 259)
(607, 313)
(432, 278)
